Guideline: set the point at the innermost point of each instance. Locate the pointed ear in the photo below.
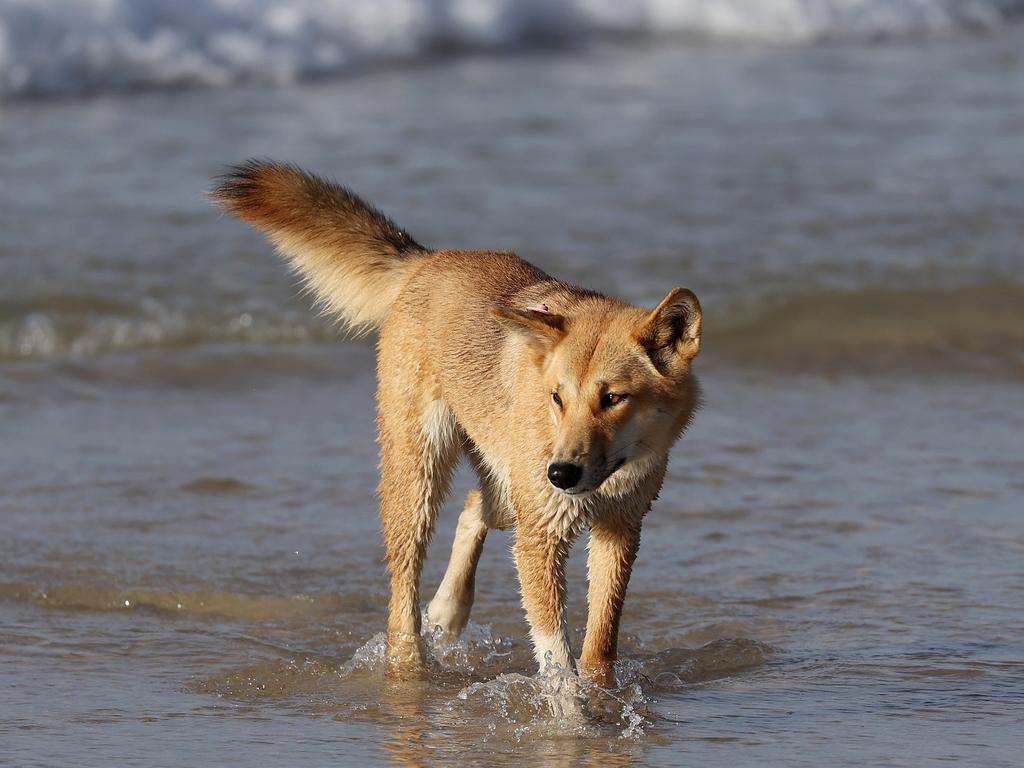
(539, 326)
(671, 333)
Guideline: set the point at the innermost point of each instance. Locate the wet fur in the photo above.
(472, 347)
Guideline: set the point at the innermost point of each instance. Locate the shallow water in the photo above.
(191, 571)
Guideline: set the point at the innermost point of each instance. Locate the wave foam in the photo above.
(971, 329)
(80, 46)
(82, 327)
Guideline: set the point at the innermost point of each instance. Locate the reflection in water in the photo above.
(413, 736)
(404, 721)
(497, 721)
(497, 716)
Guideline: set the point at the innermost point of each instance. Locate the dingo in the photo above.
(564, 401)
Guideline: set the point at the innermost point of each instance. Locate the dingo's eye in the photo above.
(611, 399)
(557, 399)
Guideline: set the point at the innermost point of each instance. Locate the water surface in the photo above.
(190, 566)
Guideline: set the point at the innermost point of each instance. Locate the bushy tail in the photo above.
(351, 256)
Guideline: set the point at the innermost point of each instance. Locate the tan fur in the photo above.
(472, 347)
(350, 256)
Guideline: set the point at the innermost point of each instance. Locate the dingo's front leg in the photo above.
(540, 559)
(613, 547)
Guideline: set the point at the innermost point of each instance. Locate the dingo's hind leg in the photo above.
(419, 449)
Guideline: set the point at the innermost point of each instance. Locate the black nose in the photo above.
(564, 474)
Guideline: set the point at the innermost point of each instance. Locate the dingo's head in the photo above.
(616, 381)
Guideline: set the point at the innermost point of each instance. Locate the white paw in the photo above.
(448, 614)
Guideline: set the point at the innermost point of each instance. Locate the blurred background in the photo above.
(187, 468)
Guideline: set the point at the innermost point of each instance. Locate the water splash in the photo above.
(368, 657)
(478, 650)
(514, 705)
